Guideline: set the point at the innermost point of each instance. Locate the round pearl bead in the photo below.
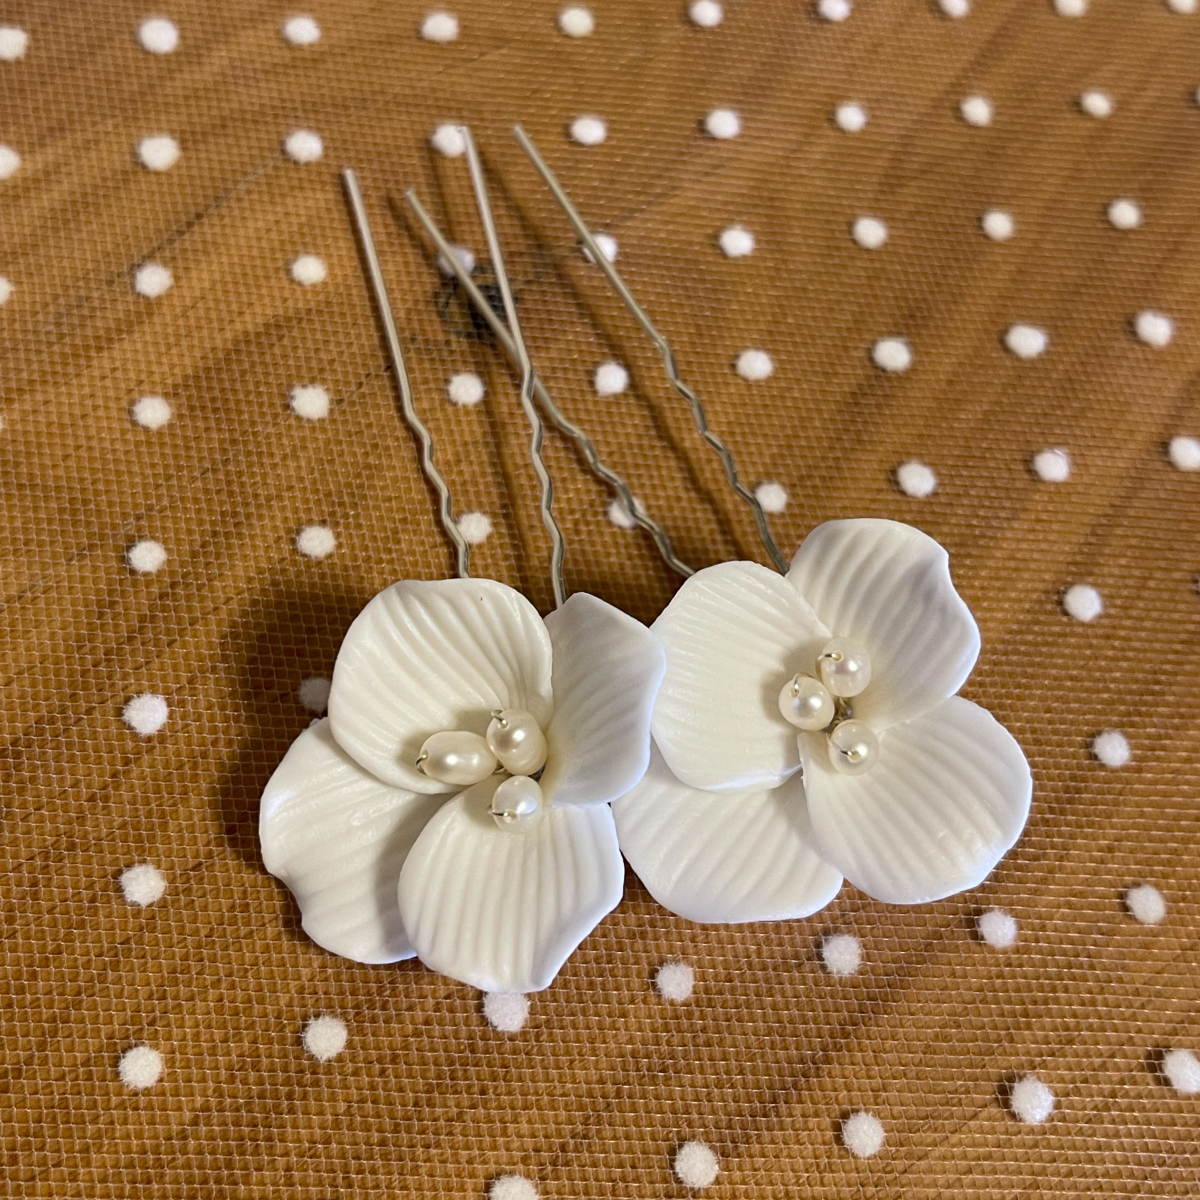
(844, 666)
(517, 803)
(456, 757)
(853, 748)
(806, 703)
(516, 739)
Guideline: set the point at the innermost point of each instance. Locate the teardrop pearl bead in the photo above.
(845, 667)
(806, 703)
(456, 757)
(518, 803)
(853, 748)
(517, 740)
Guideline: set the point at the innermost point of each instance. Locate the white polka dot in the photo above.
(1146, 904)
(1124, 214)
(914, 478)
(6, 290)
(850, 118)
(708, 14)
(464, 256)
(1182, 1069)
(754, 365)
(1096, 103)
(1111, 747)
(1184, 8)
(1026, 341)
(862, 1134)
(512, 1187)
(736, 241)
(1052, 465)
(892, 354)
(475, 527)
(159, 152)
(151, 412)
(675, 981)
(440, 27)
(608, 247)
(449, 140)
(772, 496)
(313, 693)
(506, 1011)
(146, 557)
(696, 1164)
(842, 954)
(1083, 602)
(833, 10)
(301, 30)
(10, 160)
(620, 516)
(142, 885)
(146, 713)
(325, 1037)
(1070, 8)
(465, 389)
(976, 110)
(1184, 453)
(1154, 328)
(610, 379)
(303, 146)
(589, 131)
(152, 280)
(997, 928)
(158, 35)
(14, 41)
(722, 124)
(998, 224)
(869, 232)
(576, 22)
(140, 1068)
(957, 9)
(1031, 1100)
(316, 541)
(308, 269)
(310, 401)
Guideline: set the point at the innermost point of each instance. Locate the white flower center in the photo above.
(515, 746)
(821, 702)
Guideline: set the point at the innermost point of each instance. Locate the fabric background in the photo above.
(771, 1052)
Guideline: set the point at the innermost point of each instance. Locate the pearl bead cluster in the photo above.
(820, 703)
(514, 745)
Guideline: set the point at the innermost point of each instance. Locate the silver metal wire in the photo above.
(551, 409)
(392, 338)
(668, 355)
(536, 429)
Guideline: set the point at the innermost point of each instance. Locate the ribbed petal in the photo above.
(947, 798)
(337, 838)
(502, 911)
(887, 586)
(724, 857)
(427, 656)
(734, 634)
(607, 671)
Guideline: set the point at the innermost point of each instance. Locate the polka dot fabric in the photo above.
(771, 1053)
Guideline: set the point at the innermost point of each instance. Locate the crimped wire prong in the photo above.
(668, 355)
(556, 415)
(527, 378)
(383, 304)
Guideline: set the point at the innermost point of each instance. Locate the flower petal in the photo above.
(502, 911)
(607, 671)
(724, 857)
(887, 586)
(426, 656)
(734, 634)
(947, 798)
(337, 837)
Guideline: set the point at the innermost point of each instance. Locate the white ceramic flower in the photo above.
(848, 667)
(414, 819)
